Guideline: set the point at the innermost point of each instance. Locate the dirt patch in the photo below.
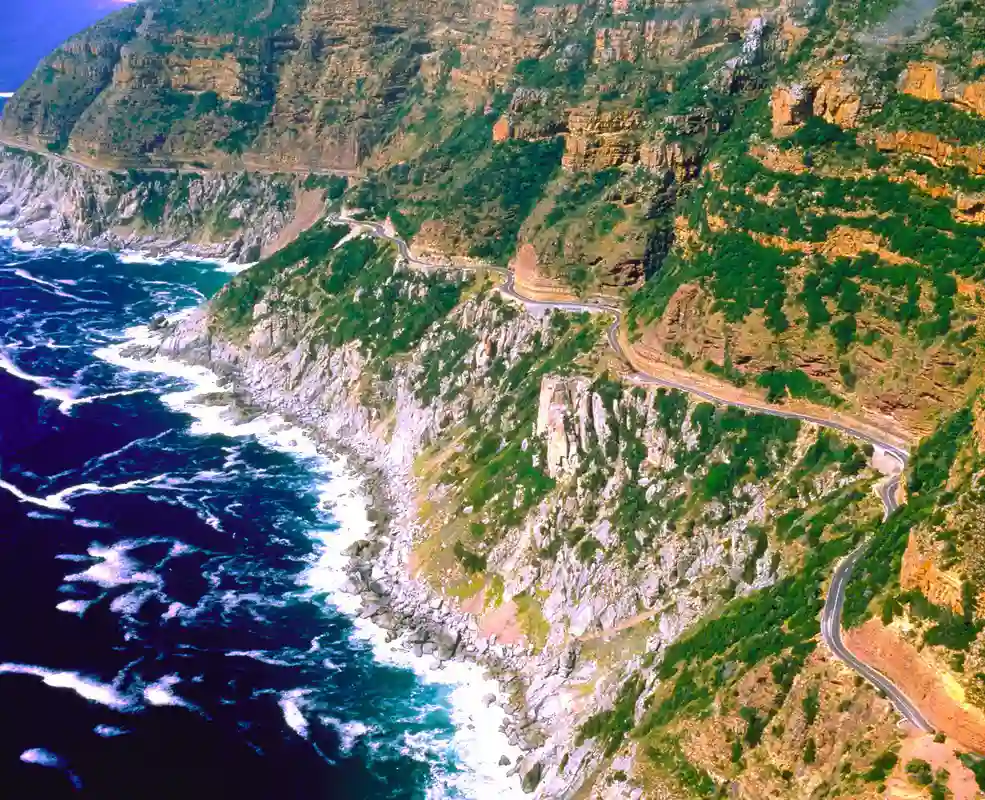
(310, 206)
(503, 623)
(532, 283)
(940, 755)
(626, 624)
(900, 662)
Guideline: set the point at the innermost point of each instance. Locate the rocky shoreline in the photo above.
(378, 573)
(213, 216)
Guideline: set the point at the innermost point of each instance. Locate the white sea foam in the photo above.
(289, 703)
(130, 603)
(46, 758)
(109, 731)
(174, 610)
(137, 257)
(143, 257)
(82, 522)
(48, 286)
(57, 500)
(75, 606)
(41, 757)
(160, 693)
(11, 236)
(88, 688)
(349, 732)
(47, 387)
(114, 568)
(67, 405)
(477, 741)
(258, 655)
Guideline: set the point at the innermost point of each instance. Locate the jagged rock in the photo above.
(531, 779)
(931, 81)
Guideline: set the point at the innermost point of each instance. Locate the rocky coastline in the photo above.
(378, 572)
(210, 216)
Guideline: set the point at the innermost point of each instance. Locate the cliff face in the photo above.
(229, 215)
(569, 530)
(408, 92)
(864, 163)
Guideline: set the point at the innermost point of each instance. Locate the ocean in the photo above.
(171, 616)
(33, 28)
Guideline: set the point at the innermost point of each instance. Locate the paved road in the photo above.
(887, 490)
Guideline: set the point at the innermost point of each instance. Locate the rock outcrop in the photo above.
(933, 147)
(927, 80)
(219, 215)
(594, 441)
(921, 572)
(834, 94)
(600, 138)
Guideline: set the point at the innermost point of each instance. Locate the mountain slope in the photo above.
(788, 200)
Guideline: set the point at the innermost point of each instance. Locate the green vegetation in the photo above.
(934, 458)
(353, 291)
(745, 275)
(611, 727)
(484, 190)
(907, 113)
(666, 755)
(810, 750)
(919, 772)
(795, 383)
(881, 767)
(234, 305)
(976, 765)
(731, 447)
(499, 475)
(811, 706)
(879, 568)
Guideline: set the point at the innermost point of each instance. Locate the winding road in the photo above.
(887, 490)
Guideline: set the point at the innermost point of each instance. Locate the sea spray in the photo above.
(478, 742)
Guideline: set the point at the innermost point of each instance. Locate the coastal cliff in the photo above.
(236, 216)
(785, 200)
(562, 527)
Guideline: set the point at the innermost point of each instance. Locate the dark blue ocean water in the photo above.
(166, 618)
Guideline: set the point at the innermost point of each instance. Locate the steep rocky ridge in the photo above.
(567, 529)
(228, 215)
(788, 196)
(465, 113)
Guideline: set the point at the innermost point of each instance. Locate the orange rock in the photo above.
(790, 105)
(919, 571)
(931, 146)
(502, 130)
(927, 80)
(532, 283)
(898, 660)
(837, 99)
(598, 139)
(923, 80)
